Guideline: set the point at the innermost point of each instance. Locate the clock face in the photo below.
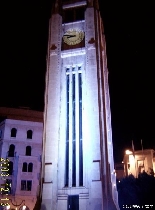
(73, 36)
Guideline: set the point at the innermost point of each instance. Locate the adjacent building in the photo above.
(21, 133)
(138, 161)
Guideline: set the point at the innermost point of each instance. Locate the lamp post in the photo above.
(17, 205)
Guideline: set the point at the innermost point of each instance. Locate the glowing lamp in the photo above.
(8, 207)
(24, 207)
(128, 152)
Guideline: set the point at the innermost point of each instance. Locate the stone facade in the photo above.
(78, 169)
(21, 144)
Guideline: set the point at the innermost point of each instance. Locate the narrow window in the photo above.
(74, 131)
(29, 134)
(13, 132)
(23, 184)
(67, 131)
(11, 150)
(24, 169)
(28, 151)
(80, 133)
(29, 185)
(30, 167)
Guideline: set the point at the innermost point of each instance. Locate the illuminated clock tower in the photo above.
(78, 169)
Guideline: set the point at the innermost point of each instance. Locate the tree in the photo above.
(136, 191)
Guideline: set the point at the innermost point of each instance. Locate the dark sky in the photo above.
(129, 32)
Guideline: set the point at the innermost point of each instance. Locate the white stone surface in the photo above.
(96, 126)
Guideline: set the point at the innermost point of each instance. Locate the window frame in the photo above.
(26, 185)
(13, 133)
(28, 150)
(29, 134)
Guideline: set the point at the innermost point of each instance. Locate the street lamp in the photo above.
(16, 205)
(128, 152)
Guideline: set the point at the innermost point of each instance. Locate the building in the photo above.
(139, 161)
(21, 144)
(78, 169)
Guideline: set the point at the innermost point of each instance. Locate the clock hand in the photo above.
(69, 36)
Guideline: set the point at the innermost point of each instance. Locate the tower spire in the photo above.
(93, 3)
(56, 9)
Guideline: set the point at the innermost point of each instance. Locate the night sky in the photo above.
(129, 32)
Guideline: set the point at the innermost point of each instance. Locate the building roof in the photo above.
(22, 113)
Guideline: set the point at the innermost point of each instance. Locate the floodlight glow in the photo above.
(24, 207)
(8, 207)
(128, 152)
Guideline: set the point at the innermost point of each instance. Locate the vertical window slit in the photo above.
(80, 132)
(74, 137)
(67, 133)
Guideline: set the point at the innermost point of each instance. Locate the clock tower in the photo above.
(78, 168)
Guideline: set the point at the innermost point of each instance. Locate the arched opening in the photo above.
(28, 151)
(30, 167)
(11, 150)
(13, 132)
(29, 134)
(24, 169)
